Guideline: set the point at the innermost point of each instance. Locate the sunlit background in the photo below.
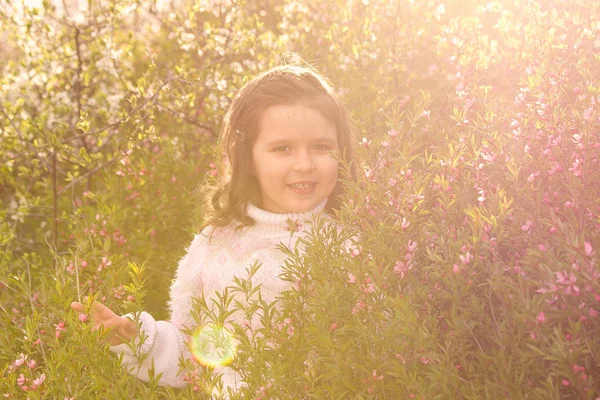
(476, 198)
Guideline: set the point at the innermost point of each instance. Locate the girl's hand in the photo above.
(121, 328)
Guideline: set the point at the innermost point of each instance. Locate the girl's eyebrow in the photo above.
(285, 141)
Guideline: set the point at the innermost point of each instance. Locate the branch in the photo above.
(45, 162)
(54, 204)
(78, 86)
(187, 119)
(90, 172)
(121, 121)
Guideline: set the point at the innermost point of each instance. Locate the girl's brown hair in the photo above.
(283, 85)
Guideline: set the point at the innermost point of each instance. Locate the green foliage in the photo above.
(465, 263)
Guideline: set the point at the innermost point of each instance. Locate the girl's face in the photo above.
(291, 158)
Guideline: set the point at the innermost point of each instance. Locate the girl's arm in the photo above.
(163, 344)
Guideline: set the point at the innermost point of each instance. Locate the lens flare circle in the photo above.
(213, 345)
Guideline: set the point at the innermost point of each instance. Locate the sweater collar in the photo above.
(273, 225)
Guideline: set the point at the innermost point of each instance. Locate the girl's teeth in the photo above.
(303, 186)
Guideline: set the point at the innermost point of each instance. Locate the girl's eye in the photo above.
(281, 149)
(322, 147)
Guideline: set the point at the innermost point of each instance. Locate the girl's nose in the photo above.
(303, 162)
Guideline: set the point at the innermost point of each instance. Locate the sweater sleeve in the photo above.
(163, 346)
(164, 341)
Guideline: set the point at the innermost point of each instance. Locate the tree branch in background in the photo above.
(119, 122)
(45, 162)
(89, 173)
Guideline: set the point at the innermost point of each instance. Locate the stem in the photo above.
(54, 206)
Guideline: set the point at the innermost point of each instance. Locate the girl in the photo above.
(280, 135)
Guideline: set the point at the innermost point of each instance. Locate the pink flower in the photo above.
(482, 197)
(393, 133)
(526, 226)
(532, 177)
(576, 167)
(578, 368)
(589, 251)
(71, 267)
(411, 246)
(20, 361)
(565, 382)
(60, 327)
(40, 380)
(402, 268)
(392, 182)
(488, 156)
(467, 258)
(31, 364)
(21, 380)
(104, 263)
(568, 280)
(542, 247)
(541, 318)
(456, 268)
(377, 377)
(351, 278)
(370, 288)
(82, 317)
(405, 224)
(358, 307)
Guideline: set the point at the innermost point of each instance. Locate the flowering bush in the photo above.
(467, 262)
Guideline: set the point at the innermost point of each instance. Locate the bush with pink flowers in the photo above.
(474, 225)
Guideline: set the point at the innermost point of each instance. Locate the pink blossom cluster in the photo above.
(368, 287)
(403, 266)
(27, 384)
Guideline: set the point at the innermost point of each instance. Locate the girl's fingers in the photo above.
(103, 317)
(102, 311)
(77, 306)
(98, 309)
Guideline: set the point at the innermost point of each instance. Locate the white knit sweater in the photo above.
(209, 267)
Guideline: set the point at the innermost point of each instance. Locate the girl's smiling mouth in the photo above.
(303, 187)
